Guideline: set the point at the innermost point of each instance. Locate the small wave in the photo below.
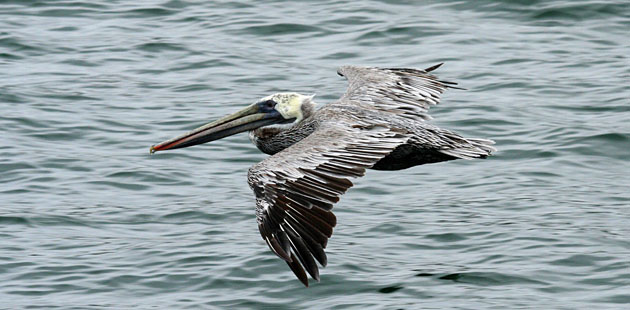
(569, 10)
(280, 29)
(147, 12)
(390, 289)
(8, 220)
(156, 47)
(488, 278)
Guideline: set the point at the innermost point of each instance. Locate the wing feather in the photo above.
(297, 187)
(402, 91)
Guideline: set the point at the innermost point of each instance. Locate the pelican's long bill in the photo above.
(249, 118)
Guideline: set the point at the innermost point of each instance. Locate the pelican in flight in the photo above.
(379, 123)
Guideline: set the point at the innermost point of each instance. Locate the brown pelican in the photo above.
(379, 123)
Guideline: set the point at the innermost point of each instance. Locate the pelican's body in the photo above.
(415, 152)
(379, 123)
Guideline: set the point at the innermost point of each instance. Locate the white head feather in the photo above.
(290, 104)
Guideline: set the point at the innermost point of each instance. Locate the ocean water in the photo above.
(89, 220)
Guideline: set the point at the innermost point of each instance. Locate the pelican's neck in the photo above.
(273, 139)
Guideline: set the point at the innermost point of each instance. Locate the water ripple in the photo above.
(88, 219)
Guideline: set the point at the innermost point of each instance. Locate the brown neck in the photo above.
(271, 140)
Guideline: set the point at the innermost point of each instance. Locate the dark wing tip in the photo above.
(276, 247)
(429, 69)
(450, 84)
(298, 270)
(446, 83)
(302, 252)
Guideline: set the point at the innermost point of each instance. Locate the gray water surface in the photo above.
(89, 220)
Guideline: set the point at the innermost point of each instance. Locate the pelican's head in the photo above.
(280, 109)
(290, 105)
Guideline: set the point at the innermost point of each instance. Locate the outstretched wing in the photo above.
(406, 92)
(297, 187)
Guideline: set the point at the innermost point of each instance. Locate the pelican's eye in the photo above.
(267, 104)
